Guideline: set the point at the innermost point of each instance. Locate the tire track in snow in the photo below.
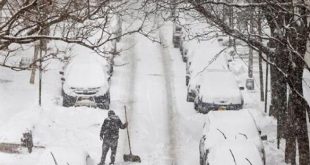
(131, 77)
(171, 102)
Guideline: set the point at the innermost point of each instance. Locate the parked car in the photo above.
(86, 84)
(184, 50)
(232, 153)
(188, 72)
(177, 37)
(219, 90)
(204, 55)
(193, 87)
(229, 126)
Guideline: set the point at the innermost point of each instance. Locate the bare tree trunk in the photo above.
(34, 67)
(290, 147)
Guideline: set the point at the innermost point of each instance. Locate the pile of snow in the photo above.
(63, 156)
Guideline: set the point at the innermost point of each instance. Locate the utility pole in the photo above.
(40, 73)
(43, 43)
(250, 70)
(260, 65)
(266, 85)
(34, 66)
(250, 81)
(231, 24)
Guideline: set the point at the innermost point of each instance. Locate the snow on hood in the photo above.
(232, 153)
(219, 85)
(86, 73)
(234, 125)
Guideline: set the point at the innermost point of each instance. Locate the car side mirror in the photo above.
(264, 137)
(63, 79)
(61, 72)
(241, 88)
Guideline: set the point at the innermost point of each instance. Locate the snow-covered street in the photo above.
(148, 78)
(161, 122)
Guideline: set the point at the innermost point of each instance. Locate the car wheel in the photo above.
(201, 160)
(183, 58)
(188, 99)
(187, 80)
(196, 107)
(201, 109)
(106, 104)
(68, 101)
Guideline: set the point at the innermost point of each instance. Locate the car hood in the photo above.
(222, 97)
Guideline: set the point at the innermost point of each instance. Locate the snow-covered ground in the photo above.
(149, 79)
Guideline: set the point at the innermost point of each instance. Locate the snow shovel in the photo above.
(130, 157)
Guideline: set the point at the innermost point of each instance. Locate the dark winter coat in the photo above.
(110, 127)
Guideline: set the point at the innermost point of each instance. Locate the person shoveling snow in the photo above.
(109, 134)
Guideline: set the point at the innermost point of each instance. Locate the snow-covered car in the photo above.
(177, 37)
(202, 55)
(219, 90)
(193, 87)
(184, 50)
(86, 83)
(229, 126)
(188, 73)
(232, 153)
(64, 156)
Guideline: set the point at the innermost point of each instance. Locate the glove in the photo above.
(125, 124)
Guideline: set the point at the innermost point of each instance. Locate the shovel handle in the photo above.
(127, 131)
(126, 114)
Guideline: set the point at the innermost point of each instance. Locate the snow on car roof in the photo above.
(235, 153)
(234, 121)
(203, 53)
(86, 72)
(231, 125)
(221, 79)
(219, 84)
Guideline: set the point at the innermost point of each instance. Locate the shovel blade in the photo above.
(131, 158)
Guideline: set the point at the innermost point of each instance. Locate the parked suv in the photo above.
(222, 127)
(86, 84)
